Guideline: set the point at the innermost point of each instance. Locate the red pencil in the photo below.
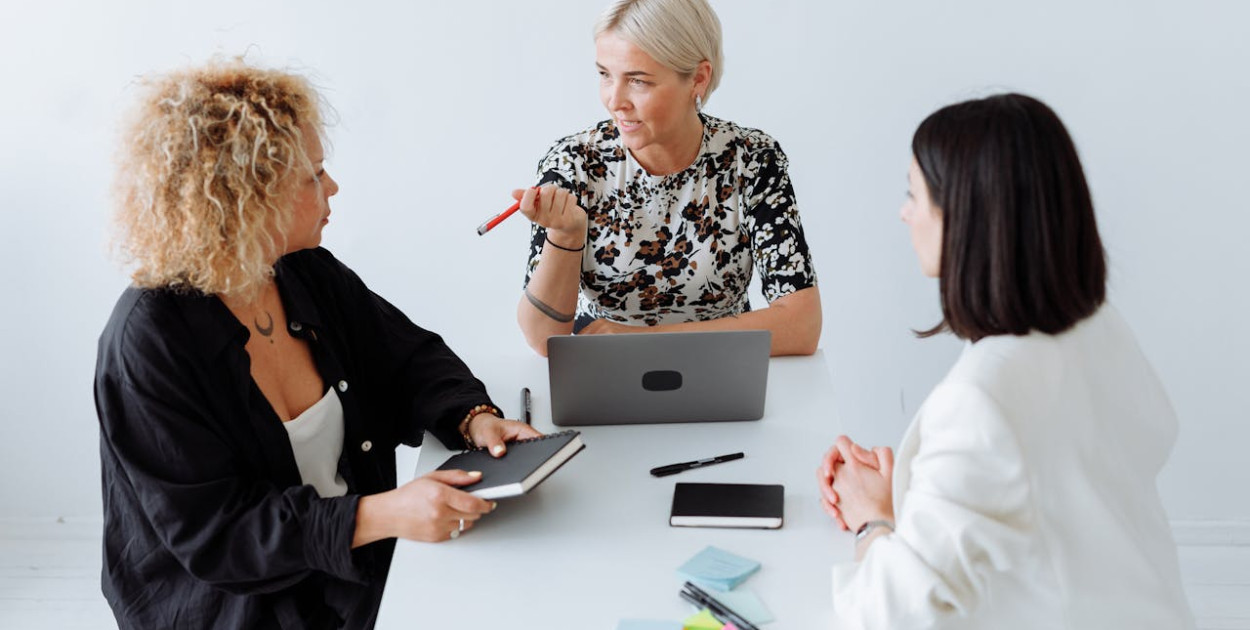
(490, 224)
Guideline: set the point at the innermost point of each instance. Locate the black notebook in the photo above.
(727, 505)
(524, 466)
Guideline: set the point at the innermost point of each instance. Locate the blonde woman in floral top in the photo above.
(653, 220)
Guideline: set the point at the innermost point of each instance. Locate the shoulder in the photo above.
(992, 378)
(317, 262)
(146, 327)
(965, 404)
(592, 143)
(755, 146)
(1015, 370)
(140, 314)
(316, 279)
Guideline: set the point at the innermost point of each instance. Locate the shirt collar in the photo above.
(218, 328)
(300, 307)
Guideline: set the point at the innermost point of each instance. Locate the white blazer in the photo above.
(1024, 494)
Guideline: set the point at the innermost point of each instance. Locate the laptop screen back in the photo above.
(658, 377)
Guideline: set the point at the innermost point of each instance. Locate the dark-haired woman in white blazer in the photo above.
(1024, 494)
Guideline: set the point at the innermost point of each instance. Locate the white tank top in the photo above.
(317, 439)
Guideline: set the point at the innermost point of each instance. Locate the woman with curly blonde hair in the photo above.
(251, 390)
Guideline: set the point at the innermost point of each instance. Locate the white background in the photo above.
(445, 107)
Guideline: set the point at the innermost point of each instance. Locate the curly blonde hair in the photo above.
(205, 175)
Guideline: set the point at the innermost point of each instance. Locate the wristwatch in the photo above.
(867, 528)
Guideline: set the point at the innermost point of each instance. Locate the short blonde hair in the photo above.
(678, 34)
(205, 174)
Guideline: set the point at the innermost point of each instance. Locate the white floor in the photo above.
(50, 579)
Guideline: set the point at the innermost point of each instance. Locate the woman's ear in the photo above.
(702, 78)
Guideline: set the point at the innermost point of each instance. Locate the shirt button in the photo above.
(366, 446)
(342, 386)
(296, 326)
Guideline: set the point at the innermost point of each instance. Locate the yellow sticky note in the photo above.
(702, 620)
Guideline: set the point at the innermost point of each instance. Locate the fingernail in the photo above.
(475, 473)
(493, 505)
(497, 449)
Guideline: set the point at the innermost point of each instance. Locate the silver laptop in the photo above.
(658, 377)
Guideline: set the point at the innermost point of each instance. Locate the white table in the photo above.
(592, 544)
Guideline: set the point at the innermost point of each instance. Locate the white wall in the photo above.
(445, 107)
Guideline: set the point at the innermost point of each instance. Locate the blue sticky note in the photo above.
(647, 624)
(718, 568)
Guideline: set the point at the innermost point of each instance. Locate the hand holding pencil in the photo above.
(551, 207)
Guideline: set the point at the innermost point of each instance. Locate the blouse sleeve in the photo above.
(559, 168)
(220, 522)
(778, 246)
(964, 517)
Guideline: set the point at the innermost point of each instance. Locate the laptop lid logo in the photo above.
(661, 380)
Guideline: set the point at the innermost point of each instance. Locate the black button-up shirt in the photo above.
(206, 520)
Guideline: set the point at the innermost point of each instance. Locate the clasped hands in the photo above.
(855, 483)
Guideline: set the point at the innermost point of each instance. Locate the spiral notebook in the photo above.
(526, 464)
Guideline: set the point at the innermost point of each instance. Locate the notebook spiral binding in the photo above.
(537, 439)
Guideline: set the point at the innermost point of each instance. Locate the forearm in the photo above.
(794, 321)
(554, 285)
(267, 547)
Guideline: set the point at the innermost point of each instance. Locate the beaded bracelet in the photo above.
(567, 249)
(473, 413)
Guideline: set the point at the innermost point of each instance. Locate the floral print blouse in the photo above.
(665, 249)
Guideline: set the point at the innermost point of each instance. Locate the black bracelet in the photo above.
(553, 244)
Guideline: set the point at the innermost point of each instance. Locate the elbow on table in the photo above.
(803, 336)
(535, 339)
(538, 346)
(806, 347)
(802, 345)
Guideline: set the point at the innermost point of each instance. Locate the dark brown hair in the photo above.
(1020, 246)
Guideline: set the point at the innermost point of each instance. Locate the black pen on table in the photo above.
(723, 613)
(525, 404)
(673, 469)
(717, 614)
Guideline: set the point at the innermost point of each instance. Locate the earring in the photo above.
(698, 103)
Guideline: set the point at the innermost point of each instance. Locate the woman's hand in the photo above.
(861, 479)
(427, 509)
(830, 466)
(830, 469)
(491, 432)
(555, 209)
